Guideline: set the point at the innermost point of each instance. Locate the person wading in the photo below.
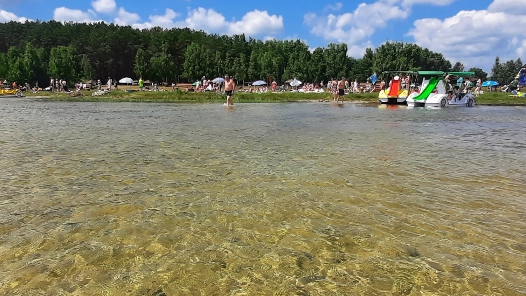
(341, 89)
(229, 90)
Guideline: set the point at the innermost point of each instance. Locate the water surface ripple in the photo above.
(266, 199)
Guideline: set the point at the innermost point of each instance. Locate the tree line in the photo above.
(36, 51)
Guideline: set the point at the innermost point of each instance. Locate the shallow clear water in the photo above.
(267, 199)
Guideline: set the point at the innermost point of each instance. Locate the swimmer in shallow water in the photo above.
(229, 90)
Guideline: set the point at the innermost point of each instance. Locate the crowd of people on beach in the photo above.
(14, 85)
(353, 87)
(338, 88)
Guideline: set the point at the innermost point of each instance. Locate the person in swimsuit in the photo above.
(229, 90)
(478, 87)
(456, 94)
(341, 89)
(334, 89)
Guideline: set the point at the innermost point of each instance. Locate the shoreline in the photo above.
(487, 99)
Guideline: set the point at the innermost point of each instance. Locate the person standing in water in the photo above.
(334, 89)
(341, 89)
(229, 90)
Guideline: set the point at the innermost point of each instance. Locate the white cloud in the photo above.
(474, 37)
(358, 50)
(104, 6)
(521, 50)
(165, 21)
(470, 37)
(126, 18)
(507, 6)
(204, 19)
(409, 3)
(63, 14)
(6, 16)
(255, 22)
(334, 7)
(364, 21)
(352, 27)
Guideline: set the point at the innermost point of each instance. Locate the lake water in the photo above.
(261, 199)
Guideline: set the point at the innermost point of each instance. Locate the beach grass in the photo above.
(500, 99)
(178, 96)
(201, 97)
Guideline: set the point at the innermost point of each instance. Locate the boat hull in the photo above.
(384, 98)
(7, 93)
(437, 101)
(392, 100)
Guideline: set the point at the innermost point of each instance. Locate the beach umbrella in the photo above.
(218, 80)
(295, 82)
(259, 82)
(126, 80)
(490, 83)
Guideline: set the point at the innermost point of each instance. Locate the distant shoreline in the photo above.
(486, 99)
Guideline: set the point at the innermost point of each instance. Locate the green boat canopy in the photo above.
(431, 73)
(394, 71)
(462, 73)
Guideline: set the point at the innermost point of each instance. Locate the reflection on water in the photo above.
(267, 199)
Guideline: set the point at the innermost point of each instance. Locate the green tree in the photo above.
(62, 63)
(192, 61)
(504, 73)
(279, 62)
(335, 59)
(155, 66)
(388, 57)
(254, 68)
(31, 63)
(267, 67)
(166, 64)
(16, 70)
(509, 71)
(458, 67)
(518, 64)
(41, 71)
(141, 63)
(86, 69)
(240, 69)
(183, 53)
(479, 73)
(496, 70)
(366, 65)
(219, 64)
(4, 66)
(228, 65)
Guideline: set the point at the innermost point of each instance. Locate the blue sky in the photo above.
(473, 32)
